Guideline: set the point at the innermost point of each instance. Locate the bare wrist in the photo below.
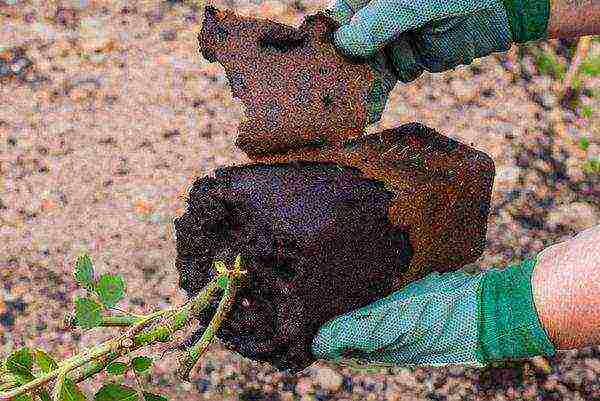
(566, 290)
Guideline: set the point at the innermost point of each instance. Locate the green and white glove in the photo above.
(436, 35)
(385, 76)
(442, 319)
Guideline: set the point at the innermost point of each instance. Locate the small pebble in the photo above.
(215, 378)
(78, 94)
(286, 396)
(7, 319)
(202, 384)
(77, 4)
(329, 379)
(98, 58)
(4, 69)
(168, 35)
(507, 176)
(392, 395)
(322, 395)
(18, 65)
(304, 385)
(67, 17)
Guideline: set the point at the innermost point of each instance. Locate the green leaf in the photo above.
(587, 111)
(23, 397)
(84, 272)
(45, 361)
(592, 166)
(88, 313)
(20, 362)
(548, 64)
(44, 396)
(141, 363)
(220, 266)
(584, 143)
(222, 281)
(154, 397)
(115, 392)
(110, 289)
(70, 392)
(591, 66)
(117, 368)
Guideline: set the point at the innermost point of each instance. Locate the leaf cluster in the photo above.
(107, 291)
(25, 365)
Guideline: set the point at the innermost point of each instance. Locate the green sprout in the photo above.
(592, 166)
(591, 66)
(25, 374)
(584, 144)
(548, 64)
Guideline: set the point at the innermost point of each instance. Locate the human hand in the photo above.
(315, 240)
(566, 288)
(432, 321)
(442, 319)
(435, 35)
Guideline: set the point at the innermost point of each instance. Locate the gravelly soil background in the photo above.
(111, 114)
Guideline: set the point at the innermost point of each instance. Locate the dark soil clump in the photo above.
(316, 241)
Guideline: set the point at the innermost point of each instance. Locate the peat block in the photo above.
(324, 231)
(296, 87)
(327, 220)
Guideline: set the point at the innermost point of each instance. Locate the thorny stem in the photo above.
(116, 321)
(127, 313)
(194, 353)
(59, 380)
(98, 357)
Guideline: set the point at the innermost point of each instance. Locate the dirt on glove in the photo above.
(297, 88)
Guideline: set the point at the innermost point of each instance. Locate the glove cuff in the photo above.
(381, 87)
(528, 19)
(508, 323)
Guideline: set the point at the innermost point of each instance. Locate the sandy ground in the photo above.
(102, 135)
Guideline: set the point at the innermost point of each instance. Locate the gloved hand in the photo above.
(450, 318)
(435, 35)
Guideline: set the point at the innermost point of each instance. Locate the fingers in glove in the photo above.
(377, 24)
(445, 44)
(403, 59)
(343, 10)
